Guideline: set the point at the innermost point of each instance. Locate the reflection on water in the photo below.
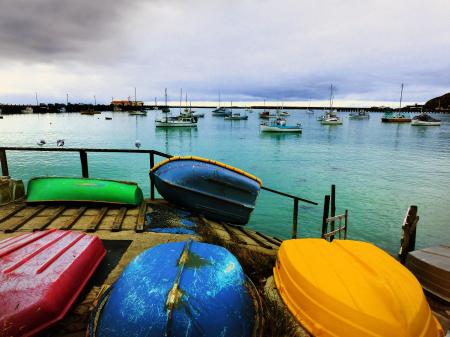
(379, 169)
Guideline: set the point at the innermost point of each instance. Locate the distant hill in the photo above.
(441, 102)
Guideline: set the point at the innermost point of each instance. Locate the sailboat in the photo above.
(221, 111)
(309, 111)
(235, 116)
(398, 117)
(183, 120)
(425, 120)
(281, 112)
(165, 108)
(330, 117)
(265, 114)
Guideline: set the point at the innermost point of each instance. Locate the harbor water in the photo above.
(378, 169)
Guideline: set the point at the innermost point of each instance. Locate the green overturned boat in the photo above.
(52, 189)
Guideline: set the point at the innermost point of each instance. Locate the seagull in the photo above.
(60, 142)
(137, 143)
(41, 142)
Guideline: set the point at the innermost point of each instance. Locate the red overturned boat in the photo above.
(41, 275)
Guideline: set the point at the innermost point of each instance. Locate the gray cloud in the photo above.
(248, 49)
(41, 30)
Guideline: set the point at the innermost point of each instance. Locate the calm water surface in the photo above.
(379, 169)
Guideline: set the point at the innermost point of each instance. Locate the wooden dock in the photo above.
(125, 232)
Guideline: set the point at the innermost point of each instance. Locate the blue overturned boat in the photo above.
(179, 289)
(211, 188)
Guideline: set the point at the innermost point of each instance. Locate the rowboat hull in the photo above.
(284, 129)
(54, 189)
(351, 288)
(325, 122)
(214, 189)
(41, 276)
(175, 124)
(423, 123)
(178, 289)
(431, 266)
(232, 118)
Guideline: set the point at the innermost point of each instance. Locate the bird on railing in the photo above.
(60, 142)
(41, 142)
(137, 143)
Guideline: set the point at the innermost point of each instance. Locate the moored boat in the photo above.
(28, 110)
(351, 288)
(425, 120)
(178, 289)
(359, 115)
(329, 120)
(41, 276)
(279, 125)
(57, 189)
(137, 113)
(397, 117)
(236, 116)
(221, 112)
(214, 189)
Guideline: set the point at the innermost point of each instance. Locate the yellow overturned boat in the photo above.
(351, 288)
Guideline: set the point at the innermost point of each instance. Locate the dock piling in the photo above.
(84, 164)
(295, 219)
(4, 162)
(152, 182)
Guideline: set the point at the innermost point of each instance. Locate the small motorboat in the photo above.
(41, 276)
(221, 112)
(390, 117)
(178, 121)
(266, 115)
(198, 114)
(179, 289)
(279, 125)
(137, 113)
(28, 110)
(55, 189)
(211, 188)
(108, 118)
(236, 116)
(359, 115)
(248, 110)
(425, 120)
(351, 288)
(330, 120)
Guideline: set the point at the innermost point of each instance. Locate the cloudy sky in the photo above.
(247, 49)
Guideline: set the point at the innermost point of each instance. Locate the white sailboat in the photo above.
(330, 117)
(183, 120)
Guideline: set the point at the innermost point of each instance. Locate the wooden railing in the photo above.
(329, 206)
(151, 153)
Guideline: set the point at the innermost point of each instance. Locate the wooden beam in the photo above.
(269, 239)
(50, 218)
(117, 224)
(233, 236)
(140, 221)
(84, 164)
(98, 218)
(24, 220)
(12, 212)
(74, 218)
(254, 237)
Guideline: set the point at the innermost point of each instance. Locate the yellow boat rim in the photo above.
(351, 288)
(205, 160)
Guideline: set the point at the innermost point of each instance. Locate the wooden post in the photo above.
(332, 208)
(84, 164)
(295, 219)
(152, 182)
(326, 206)
(409, 227)
(4, 162)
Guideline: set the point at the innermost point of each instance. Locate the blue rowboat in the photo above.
(178, 289)
(214, 189)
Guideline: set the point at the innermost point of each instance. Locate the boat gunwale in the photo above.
(208, 161)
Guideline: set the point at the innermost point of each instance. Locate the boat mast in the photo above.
(181, 98)
(401, 97)
(37, 101)
(165, 94)
(219, 99)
